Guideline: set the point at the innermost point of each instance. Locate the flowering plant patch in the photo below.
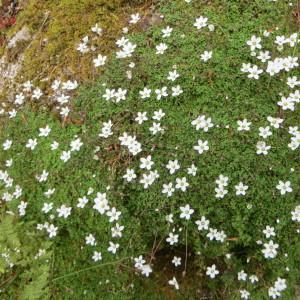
(184, 169)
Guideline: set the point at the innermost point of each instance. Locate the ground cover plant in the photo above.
(173, 175)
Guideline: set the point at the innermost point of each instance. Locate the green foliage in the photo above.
(217, 89)
(24, 261)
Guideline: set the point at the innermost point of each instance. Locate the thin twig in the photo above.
(186, 253)
(90, 268)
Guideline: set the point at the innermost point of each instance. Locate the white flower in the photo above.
(9, 163)
(176, 91)
(64, 112)
(139, 262)
(181, 184)
(287, 103)
(148, 179)
(242, 275)
(293, 39)
(220, 236)
(97, 256)
(169, 218)
(212, 234)
(117, 230)
(269, 232)
(264, 56)
(101, 203)
(202, 224)
(280, 40)
(82, 202)
(113, 247)
(168, 189)
(52, 230)
(265, 132)
(113, 214)
(212, 271)
(202, 123)
(293, 81)
(222, 181)
(245, 68)
(37, 94)
(134, 18)
(141, 117)
(186, 212)
(172, 238)
(90, 240)
(253, 278)
(109, 94)
(6, 145)
(106, 129)
(245, 294)
(269, 250)
(254, 43)
(192, 170)
(54, 145)
(161, 93)
(176, 261)
(146, 162)
(27, 86)
(274, 122)
(64, 211)
(120, 95)
(273, 293)
(262, 148)
(284, 187)
(49, 193)
(296, 214)
(254, 72)
(174, 282)
(207, 55)
(280, 284)
(22, 208)
(173, 166)
(99, 61)
(130, 175)
(96, 29)
(202, 146)
(145, 93)
(31, 144)
(65, 156)
(19, 100)
(56, 84)
(158, 115)
(243, 125)
(167, 31)
(12, 113)
(146, 270)
(173, 75)
(83, 48)
(155, 128)
(201, 22)
(76, 145)
(126, 51)
(44, 132)
(161, 48)
(241, 189)
(43, 177)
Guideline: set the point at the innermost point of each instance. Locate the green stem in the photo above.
(90, 268)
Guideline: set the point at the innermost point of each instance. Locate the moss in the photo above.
(57, 26)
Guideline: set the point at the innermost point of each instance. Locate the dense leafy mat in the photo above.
(180, 163)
